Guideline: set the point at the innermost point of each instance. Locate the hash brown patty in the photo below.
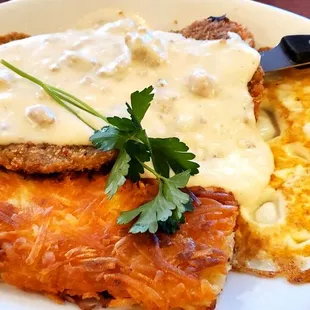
(60, 237)
(44, 158)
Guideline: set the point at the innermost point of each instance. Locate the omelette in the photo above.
(273, 237)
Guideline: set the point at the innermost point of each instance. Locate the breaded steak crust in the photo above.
(13, 36)
(43, 158)
(216, 28)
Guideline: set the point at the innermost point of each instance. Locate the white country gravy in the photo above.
(201, 95)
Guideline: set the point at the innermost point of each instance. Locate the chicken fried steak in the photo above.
(42, 158)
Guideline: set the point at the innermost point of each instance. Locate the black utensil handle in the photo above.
(297, 47)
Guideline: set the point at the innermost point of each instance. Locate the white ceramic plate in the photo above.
(242, 292)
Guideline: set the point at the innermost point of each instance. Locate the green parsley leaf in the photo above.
(140, 102)
(172, 193)
(135, 170)
(139, 153)
(179, 180)
(159, 209)
(138, 150)
(166, 209)
(109, 138)
(172, 153)
(123, 129)
(123, 124)
(117, 174)
(172, 225)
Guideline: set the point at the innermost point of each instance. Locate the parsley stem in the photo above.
(61, 103)
(59, 95)
(47, 89)
(158, 176)
(78, 102)
(62, 97)
(23, 74)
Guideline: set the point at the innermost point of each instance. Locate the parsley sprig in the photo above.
(136, 149)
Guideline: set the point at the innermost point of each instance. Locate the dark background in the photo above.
(301, 7)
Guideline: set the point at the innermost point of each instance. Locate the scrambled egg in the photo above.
(273, 237)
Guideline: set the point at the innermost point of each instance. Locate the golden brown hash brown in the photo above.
(60, 237)
(30, 158)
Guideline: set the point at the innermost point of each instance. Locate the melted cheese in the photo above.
(201, 95)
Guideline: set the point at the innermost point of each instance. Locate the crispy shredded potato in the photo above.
(59, 236)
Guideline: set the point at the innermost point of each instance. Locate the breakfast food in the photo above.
(12, 37)
(51, 158)
(63, 240)
(217, 28)
(68, 226)
(46, 158)
(273, 237)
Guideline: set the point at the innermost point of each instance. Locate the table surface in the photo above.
(301, 7)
